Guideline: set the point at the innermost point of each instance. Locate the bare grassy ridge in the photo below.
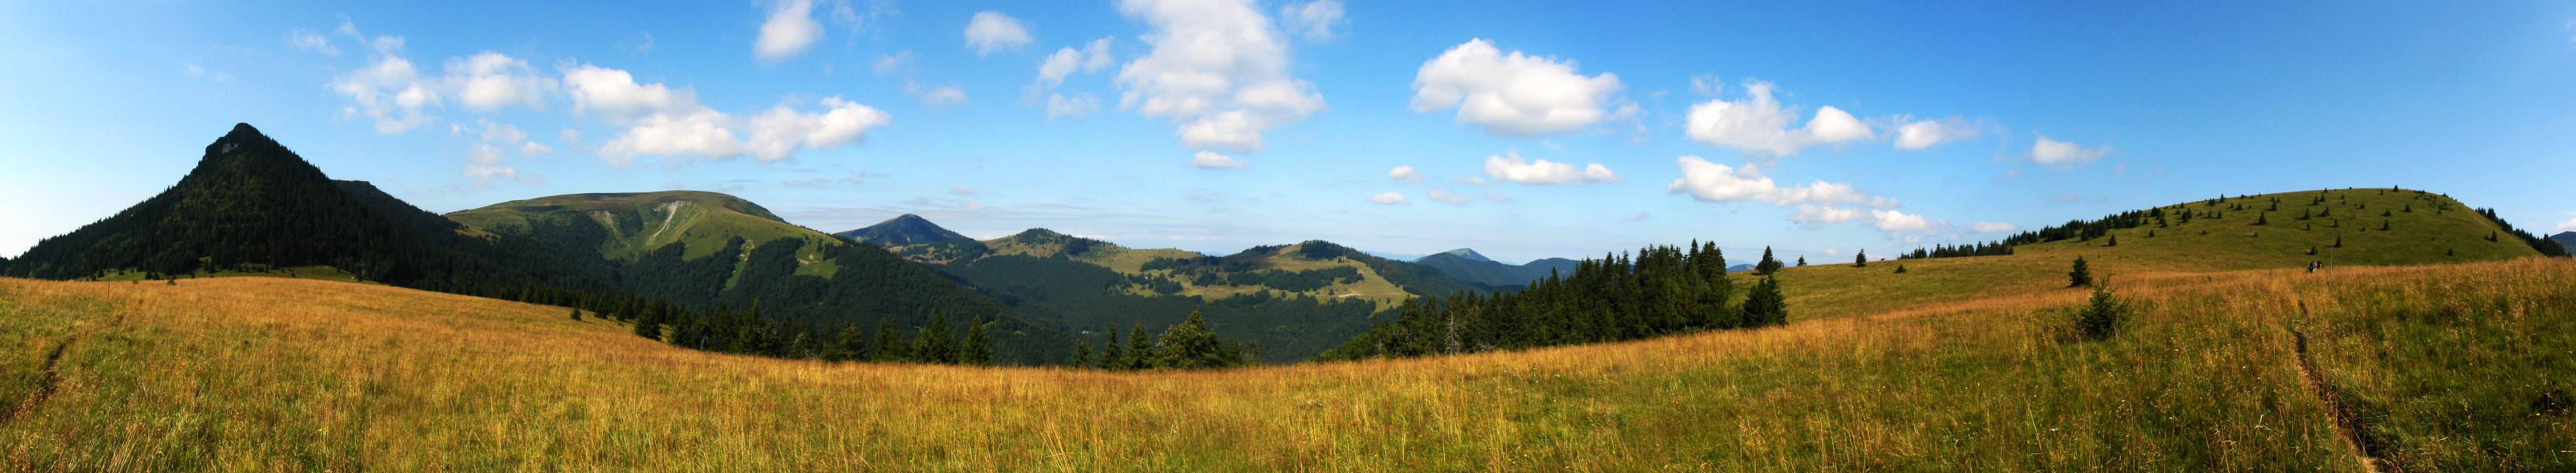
(274, 374)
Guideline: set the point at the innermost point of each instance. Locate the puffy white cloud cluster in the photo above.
(790, 30)
(991, 31)
(1915, 135)
(1217, 69)
(1065, 62)
(1215, 160)
(1512, 94)
(1386, 198)
(1758, 125)
(1511, 167)
(1817, 202)
(662, 121)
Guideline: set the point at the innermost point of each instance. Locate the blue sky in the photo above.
(1530, 130)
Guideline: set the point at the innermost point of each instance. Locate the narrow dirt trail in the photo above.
(52, 377)
(2347, 416)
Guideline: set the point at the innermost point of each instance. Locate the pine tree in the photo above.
(1189, 345)
(891, 345)
(576, 315)
(851, 344)
(2081, 276)
(1140, 348)
(1113, 354)
(1900, 269)
(1769, 264)
(1860, 259)
(979, 347)
(937, 344)
(1765, 305)
(1802, 261)
(1081, 354)
(2114, 241)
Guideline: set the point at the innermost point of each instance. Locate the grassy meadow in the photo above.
(2454, 365)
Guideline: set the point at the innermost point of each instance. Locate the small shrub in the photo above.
(2102, 316)
(1900, 269)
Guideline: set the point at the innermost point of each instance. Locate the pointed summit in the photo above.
(906, 229)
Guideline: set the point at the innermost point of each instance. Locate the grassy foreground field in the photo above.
(2453, 368)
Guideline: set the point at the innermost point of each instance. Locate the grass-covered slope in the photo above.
(637, 223)
(714, 250)
(2455, 362)
(2422, 228)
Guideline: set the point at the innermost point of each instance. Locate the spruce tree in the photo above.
(1860, 259)
(850, 344)
(2081, 276)
(1140, 348)
(979, 347)
(2115, 241)
(1189, 345)
(1081, 354)
(937, 344)
(1802, 261)
(1900, 268)
(1765, 305)
(891, 345)
(1113, 354)
(1769, 264)
(576, 315)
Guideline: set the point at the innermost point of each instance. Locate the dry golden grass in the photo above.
(280, 374)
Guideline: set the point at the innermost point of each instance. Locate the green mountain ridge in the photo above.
(906, 229)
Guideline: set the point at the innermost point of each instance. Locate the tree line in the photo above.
(1661, 290)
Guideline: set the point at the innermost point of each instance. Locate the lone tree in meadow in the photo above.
(1765, 305)
(1900, 268)
(576, 315)
(1769, 264)
(2102, 316)
(1860, 259)
(2081, 276)
(1802, 261)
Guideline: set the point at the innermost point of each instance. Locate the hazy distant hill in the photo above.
(1291, 301)
(1467, 266)
(2566, 240)
(907, 229)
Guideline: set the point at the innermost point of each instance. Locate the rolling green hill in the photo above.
(717, 250)
(638, 223)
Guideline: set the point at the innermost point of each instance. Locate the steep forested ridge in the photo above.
(253, 205)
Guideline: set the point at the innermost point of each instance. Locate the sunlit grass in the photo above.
(259, 373)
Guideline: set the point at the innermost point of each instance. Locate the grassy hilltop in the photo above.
(2231, 360)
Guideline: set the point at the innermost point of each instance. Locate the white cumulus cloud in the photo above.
(1510, 166)
(662, 121)
(1404, 173)
(1093, 56)
(307, 40)
(2060, 153)
(1893, 221)
(935, 95)
(1218, 69)
(1823, 215)
(1913, 134)
(1387, 198)
(615, 94)
(1446, 197)
(1993, 227)
(490, 80)
(1076, 106)
(790, 30)
(1512, 95)
(991, 31)
(1213, 160)
(1759, 125)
